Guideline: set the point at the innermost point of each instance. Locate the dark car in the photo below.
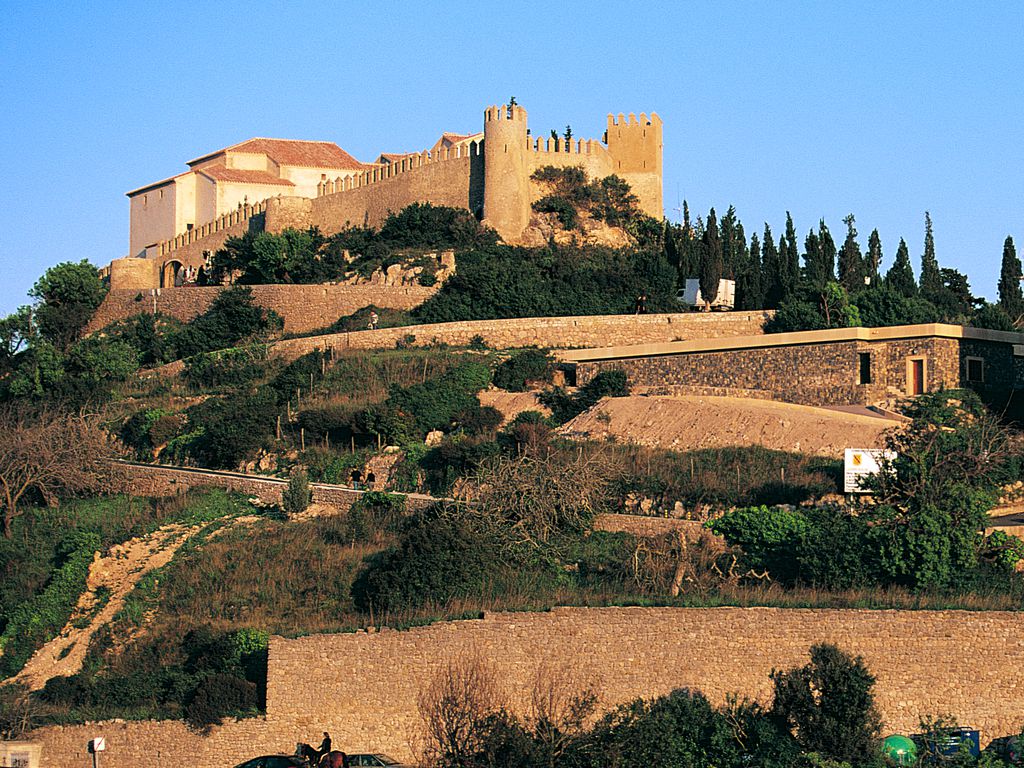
(944, 746)
(274, 761)
(374, 760)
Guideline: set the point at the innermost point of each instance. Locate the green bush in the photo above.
(218, 696)
(565, 406)
(437, 560)
(435, 403)
(39, 619)
(298, 495)
(235, 367)
(479, 420)
(231, 318)
(768, 537)
(229, 429)
(523, 367)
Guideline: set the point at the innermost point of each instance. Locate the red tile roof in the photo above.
(307, 154)
(221, 173)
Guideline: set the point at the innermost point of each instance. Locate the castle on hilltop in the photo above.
(273, 184)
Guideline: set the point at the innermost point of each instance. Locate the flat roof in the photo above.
(829, 336)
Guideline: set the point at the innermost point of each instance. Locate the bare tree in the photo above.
(533, 497)
(19, 713)
(562, 702)
(454, 705)
(51, 453)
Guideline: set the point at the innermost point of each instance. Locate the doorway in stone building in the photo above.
(169, 274)
(916, 372)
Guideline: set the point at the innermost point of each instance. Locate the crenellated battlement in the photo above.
(244, 212)
(513, 113)
(404, 165)
(561, 146)
(631, 120)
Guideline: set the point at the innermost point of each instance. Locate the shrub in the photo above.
(220, 695)
(226, 368)
(435, 403)
(565, 406)
(479, 420)
(231, 317)
(437, 560)
(39, 619)
(829, 706)
(230, 429)
(767, 536)
(523, 367)
(297, 496)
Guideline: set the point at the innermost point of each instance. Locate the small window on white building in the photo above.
(975, 370)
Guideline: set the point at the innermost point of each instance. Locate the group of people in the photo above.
(359, 483)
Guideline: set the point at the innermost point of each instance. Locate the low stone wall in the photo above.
(158, 480)
(554, 332)
(643, 525)
(303, 307)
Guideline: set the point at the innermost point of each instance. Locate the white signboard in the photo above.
(861, 463)
(99, 744)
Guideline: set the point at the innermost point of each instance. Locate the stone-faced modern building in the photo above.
(273, 184)
(846, 366)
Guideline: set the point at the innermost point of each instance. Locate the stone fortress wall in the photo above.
(965, 664)
(490, 178)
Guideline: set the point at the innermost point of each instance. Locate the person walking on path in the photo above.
(374, 319)
(356, 477)
(641, 304)
(371, 478)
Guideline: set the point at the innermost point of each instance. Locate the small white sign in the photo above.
(99, 744)
(860, 464)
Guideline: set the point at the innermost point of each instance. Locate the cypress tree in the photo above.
(771, 269)
(790, 257)
(748, 284)
(851, 262)
(1011, 298)
(812, 259)
(820, 258)
(874, 262)
(710, 260)
(931, 277)
(900, 277)
(687, 248)
(727, 225)
(671, 250)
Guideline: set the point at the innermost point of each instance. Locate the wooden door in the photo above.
(917, 377)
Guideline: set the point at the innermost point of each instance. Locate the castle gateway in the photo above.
(274, 184)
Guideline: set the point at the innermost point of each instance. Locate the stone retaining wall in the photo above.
(303, 307)
(968, 665)
(554, 332)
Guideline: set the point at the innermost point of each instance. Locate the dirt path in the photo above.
(511, 404)
(111, 577)
(686, 423)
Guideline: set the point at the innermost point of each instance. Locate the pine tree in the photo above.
(1011, 298)
(790, 257)
(750, 294)
(874, 261)
(900, 277)
(771, 270)
(710, 260)
(931, 277)
(851, 262)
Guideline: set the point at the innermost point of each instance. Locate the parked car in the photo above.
(274, 761)
(374, 760)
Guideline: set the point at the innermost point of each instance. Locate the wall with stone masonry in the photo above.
(554, 332)
(808, 374)
(303, 307)
(158, 480)
(968, 665)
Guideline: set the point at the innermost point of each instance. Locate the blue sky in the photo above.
(884, 110)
